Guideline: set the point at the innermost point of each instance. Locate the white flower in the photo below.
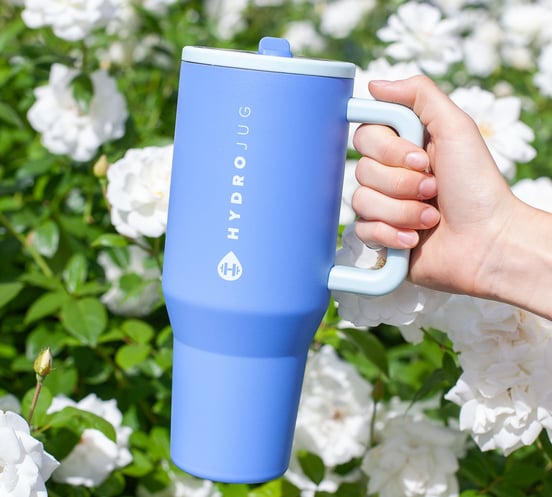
(526, 23)
(303, 36)
(138, 191)
(70, 20)
(181, 485)
(418, 32)
(400, 307)
(24, 465)
(498, 121)
(335, 409)
(69, 129)
(346, 213)
(157, 6)
(481, 55)
(95, 456)
(543, 78)
(415, 458)
(226, 16)
(503, 351)
(535, 192)
(144, 295)
(340, 17)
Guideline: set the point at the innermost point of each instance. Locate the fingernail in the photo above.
(408, 238)
(427, 187)
(429, 217)
(417, 160)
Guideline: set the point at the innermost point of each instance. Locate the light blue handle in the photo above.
(375, 282)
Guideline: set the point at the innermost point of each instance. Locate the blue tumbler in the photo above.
(259, 154)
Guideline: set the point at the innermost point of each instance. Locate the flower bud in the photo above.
(43, 364)
(100, 167)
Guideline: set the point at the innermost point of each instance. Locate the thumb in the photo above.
(437, 112)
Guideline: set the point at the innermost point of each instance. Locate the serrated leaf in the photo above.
(85, 319)
(46, 305)
(78, 420)
(370, 346)
(8, 291)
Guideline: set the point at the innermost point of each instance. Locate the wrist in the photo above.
(518, 270)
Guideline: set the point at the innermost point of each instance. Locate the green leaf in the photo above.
(451, 371)
(83, 91)
(8, 291)
(140, 466)
(138, 331)
(370, 346)
(270, 489)
(75, 272)
(129, 356)
(523, 475)
(110, 240)
(112, 486)
(85, 319)
(78, 420)
(42, 281)
(46, 305)
(233, 489)
(9, 115)
(312, 465)
(436, 380)
(45, 238)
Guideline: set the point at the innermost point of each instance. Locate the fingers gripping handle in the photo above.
(386, 279)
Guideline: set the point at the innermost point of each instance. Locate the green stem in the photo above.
(38, 259)
(38, 388)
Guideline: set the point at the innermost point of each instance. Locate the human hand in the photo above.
(451, 218)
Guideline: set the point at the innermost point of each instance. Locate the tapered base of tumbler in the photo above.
(233, 417)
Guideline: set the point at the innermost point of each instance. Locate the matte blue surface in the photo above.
(251, 238)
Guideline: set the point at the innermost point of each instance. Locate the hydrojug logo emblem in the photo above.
(229, 267)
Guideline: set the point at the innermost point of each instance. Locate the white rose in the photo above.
(416, 457)
(335, 410)
(70, 20)
(67, 128)
(95, 456)
(24, 465)
(138, 191)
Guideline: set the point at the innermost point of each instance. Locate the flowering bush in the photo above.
(415, 394)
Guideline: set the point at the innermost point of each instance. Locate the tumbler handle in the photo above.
(381, 281)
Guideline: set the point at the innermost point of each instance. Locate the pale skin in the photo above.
(468, 233)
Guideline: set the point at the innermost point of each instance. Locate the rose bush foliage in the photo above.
(415, 394)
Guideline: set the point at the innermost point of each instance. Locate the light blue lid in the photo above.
(274, 55)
